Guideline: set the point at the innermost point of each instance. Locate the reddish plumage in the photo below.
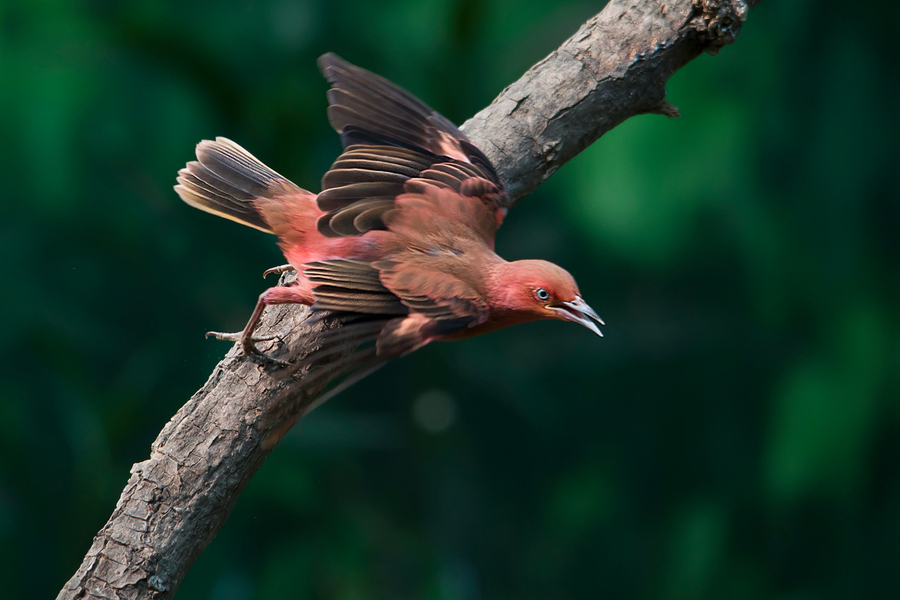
(399, 243)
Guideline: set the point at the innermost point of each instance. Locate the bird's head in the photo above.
(543, 290)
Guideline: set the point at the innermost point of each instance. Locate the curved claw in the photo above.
(248, 346)
(278, 270)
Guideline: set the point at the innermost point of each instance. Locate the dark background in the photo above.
(736, 434)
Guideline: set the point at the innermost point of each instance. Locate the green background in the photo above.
(736, 434)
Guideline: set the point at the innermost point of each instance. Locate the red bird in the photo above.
(400, 242)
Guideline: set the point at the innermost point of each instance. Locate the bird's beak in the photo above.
(577, 310)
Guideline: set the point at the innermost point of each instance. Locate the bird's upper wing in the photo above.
(439, 227)
(368, 109)
(394, 143)
(431, 281)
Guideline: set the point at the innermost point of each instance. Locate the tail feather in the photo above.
(226, 179)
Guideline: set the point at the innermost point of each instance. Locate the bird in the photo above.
(399, 244)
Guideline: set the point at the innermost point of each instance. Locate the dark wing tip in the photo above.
(330, 59)
(367, 109)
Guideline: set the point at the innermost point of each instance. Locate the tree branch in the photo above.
(616, 66)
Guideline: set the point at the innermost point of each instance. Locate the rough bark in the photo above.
(616, 66)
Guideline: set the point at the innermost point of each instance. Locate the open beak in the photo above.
(577, 310)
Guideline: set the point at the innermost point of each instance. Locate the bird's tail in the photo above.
(228, 181)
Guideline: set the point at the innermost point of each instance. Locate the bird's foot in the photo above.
(278, 270)
(249, 347)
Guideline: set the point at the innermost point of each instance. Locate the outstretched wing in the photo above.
(368, 109)
(394, 143)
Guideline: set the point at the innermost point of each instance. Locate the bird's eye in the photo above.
(542, 294)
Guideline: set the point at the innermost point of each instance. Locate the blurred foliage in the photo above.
(735, 435)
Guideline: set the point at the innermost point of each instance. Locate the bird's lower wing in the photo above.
(352, 293)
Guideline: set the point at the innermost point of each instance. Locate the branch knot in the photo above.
(717, 21)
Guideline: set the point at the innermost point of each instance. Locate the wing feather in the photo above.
(364, 101)
(422, 304)
(394, 139)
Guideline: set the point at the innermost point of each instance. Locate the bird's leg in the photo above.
(246, 338)
(278, 270)
(277, 295)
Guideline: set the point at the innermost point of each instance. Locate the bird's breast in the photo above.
(497, 320)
